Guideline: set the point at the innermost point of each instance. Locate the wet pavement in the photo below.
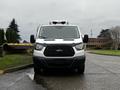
(21, 80)
(102, 73)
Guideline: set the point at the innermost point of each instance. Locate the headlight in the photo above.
(38, 46)
(79, 46)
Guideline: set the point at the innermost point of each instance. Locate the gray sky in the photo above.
(88, 14)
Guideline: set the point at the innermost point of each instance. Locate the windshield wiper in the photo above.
(43, 37)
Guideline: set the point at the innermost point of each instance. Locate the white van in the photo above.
(59, 45)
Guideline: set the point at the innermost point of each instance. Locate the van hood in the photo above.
(59, 41)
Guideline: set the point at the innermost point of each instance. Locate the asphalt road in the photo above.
(102, 73)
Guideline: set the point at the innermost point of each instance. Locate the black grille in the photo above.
(59, 62)
(59, 51)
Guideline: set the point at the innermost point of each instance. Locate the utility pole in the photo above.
(91, 33)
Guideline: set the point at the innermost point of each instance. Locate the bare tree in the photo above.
(115, 35)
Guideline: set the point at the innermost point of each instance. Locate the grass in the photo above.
(13, 60)
(107, 52)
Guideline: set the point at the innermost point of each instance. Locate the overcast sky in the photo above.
(88, 14)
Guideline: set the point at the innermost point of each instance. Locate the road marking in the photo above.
(31, 76)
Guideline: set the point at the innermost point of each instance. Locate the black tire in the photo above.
(81, 69)
(37, 70)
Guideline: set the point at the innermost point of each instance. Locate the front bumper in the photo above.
(74, 62)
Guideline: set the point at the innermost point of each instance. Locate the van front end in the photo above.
(59, 45)
(59, 56)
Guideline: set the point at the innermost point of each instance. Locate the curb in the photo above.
(15, 68)
(103, 54)
(1, 72)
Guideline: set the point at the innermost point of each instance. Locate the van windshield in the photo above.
(59, 32)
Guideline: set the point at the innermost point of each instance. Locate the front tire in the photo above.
(37, 70)
(81, 69)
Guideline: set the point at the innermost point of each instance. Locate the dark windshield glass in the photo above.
(59, 32)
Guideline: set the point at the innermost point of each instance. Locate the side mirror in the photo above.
(85, 39)
(32, 39)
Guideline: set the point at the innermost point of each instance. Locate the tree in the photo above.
(12, 31)
(2, 38)
(11, 36)
(115, 35)
(105, 33)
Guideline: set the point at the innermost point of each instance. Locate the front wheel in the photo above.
(37, 70)
(81, 69)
